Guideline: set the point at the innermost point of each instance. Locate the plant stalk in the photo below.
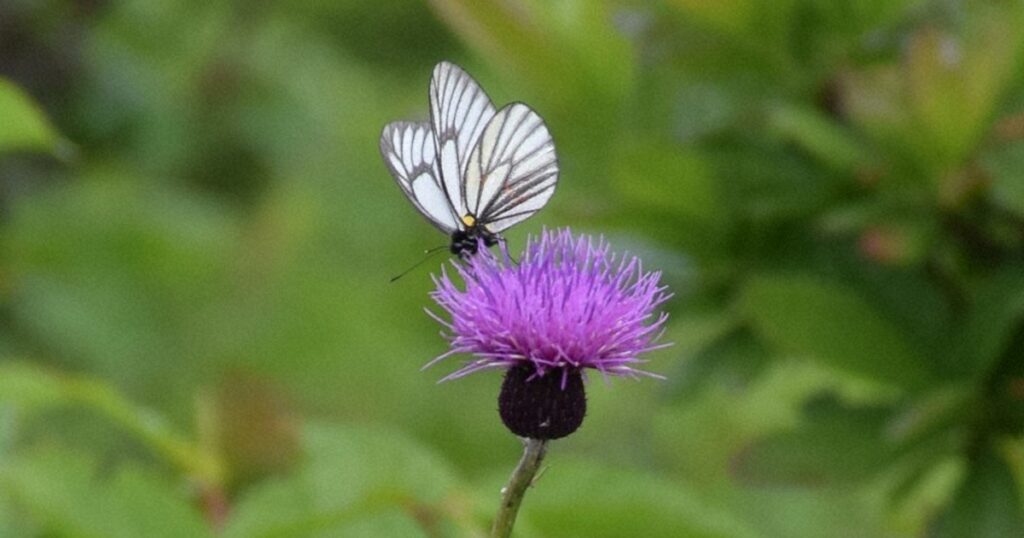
(513, 492)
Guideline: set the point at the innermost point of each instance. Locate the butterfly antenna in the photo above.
(428, 253)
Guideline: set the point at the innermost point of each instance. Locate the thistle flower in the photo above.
(567, 305)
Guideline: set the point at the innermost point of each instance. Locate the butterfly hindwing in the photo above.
(409, 153)
(513, 170)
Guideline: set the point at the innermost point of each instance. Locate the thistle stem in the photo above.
(512, 493)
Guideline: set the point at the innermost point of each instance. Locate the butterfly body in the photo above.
(473, 171)
(465, 242)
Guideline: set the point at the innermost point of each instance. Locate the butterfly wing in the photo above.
(409, 153)
(459, 111)
(513, 170)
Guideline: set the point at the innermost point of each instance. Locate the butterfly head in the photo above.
(466, 241)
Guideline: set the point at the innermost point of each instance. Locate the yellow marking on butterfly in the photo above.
(469, 220)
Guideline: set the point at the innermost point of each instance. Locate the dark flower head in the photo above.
(568, 304)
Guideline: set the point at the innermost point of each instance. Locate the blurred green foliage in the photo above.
(198, 337)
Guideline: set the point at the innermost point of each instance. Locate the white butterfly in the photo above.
(472, 171)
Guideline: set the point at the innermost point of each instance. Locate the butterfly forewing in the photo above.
(513, 169)
(459, 111)
(409, 152)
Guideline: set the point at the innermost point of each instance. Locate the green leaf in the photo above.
(388, 523)
(23, 126)
(768, 181)
(12, 521)
(836, 445)
(568, 53)
(691, 192)
(746, 22)
(65, 494)
(352, 474)
(1007, 398)
(816, 134)
(835, 325)
(988, 502)
(1005, 166)
(733, 360)
(580, 499)
(26, 385)
(874, 101)
(956, 81)
(113, 267)
(937, 105)
(996, 311)
(847, 22)
(727, 16)
(346, 461)
(31, 388)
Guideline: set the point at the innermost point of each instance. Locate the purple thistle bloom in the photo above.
(568, 304)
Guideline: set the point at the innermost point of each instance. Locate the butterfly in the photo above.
(472, 171)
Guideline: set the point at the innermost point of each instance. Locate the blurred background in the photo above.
(198, 337)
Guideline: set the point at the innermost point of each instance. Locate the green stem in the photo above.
(512, 493)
